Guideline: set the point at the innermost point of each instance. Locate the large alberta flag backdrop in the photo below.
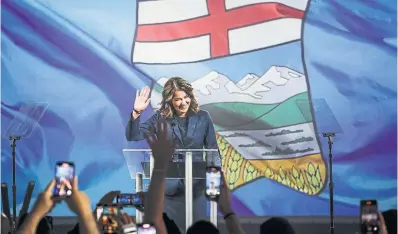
(251, 63)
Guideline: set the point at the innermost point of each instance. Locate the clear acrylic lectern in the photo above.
(139, 168)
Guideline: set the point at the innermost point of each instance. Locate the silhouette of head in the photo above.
(390, 218)
(276, 225)
(203, 227)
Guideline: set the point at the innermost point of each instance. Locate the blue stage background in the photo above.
(75, 56)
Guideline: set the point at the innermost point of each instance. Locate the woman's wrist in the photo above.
(229, 214)
(134, 115)
(137, 111)
(226, 210)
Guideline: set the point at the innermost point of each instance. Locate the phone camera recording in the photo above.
(64, 174)
(213, 180)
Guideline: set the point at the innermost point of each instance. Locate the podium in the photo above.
(180, 168)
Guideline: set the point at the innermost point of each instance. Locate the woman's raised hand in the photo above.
(142, 99)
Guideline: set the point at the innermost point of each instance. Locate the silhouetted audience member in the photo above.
(390, 218)
(203, 227)
(171, 226)
(276, 225)
(75, 230)
(44, 227)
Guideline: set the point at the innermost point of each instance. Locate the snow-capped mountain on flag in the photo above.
(250, 89)
(264, 123)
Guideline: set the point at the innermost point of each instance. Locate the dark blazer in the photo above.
(200, 131)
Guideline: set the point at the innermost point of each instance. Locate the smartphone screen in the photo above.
(64, 174)
(108, 220)
(213, 182)
(124, 199)
(369, 217)
(128, 199)
(136, 201)
(146, 229)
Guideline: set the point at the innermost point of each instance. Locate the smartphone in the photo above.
(108, 220)
(129, 199)
(369, 217)
(64, 174)
(146, 229)
(213, 182)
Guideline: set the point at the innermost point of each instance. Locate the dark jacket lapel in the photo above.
(175, 130)
(192, 122)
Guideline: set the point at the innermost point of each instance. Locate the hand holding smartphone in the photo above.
(64, 175)
(369, 217)
(213, 182)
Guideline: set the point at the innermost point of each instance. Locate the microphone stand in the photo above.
(14, 185)
(330, 136)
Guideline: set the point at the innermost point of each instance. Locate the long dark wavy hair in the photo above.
(176, 84)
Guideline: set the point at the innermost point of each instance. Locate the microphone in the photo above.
(330, 136)
(28, 196)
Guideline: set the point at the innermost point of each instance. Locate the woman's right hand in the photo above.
(142, 99)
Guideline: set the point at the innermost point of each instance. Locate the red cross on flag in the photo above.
(179, 31)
